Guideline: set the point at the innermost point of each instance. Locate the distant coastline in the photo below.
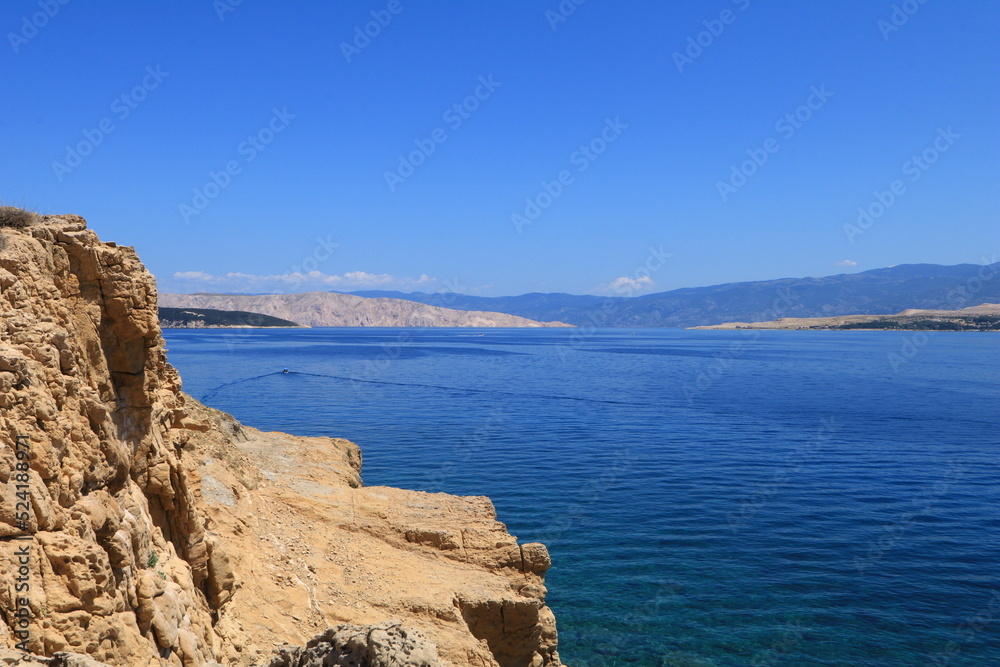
(210, 318)
(984, 317)
(329, 309)
(195, 325)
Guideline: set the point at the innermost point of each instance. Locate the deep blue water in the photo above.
(708, 497)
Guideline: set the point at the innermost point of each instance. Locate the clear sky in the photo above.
(739, 137)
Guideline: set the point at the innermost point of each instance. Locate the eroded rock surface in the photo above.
(383, 645)
(163, 532)
(11, 658)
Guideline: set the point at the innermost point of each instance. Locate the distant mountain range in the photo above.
(328, 309)
(876, 292)
(207, 318)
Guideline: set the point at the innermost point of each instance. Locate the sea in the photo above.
(709, 498)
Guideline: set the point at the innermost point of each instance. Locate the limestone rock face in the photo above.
(162, 532)
(383, 645)
(119, 557)
(10, 658)
(327, 309)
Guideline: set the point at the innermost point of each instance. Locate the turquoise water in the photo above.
(708, 497)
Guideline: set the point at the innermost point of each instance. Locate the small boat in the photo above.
(284, 370)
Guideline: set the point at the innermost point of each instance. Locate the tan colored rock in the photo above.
(386, 644)
(11, 658)
(904, 318)
(163, 532)
(328, 309)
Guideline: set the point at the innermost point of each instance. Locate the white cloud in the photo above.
(626, 286)
(845, 262)
(192, 275)
(301, 282)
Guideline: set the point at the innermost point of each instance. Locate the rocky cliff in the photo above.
(328, 309)
(139, 527)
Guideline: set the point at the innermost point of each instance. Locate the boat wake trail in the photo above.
(215, 391)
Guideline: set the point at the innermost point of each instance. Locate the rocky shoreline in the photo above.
(984, 317)
(159, 531)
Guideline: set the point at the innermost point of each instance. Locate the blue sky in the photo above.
(238, 144)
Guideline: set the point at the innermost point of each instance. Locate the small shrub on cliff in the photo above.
(16, 218)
